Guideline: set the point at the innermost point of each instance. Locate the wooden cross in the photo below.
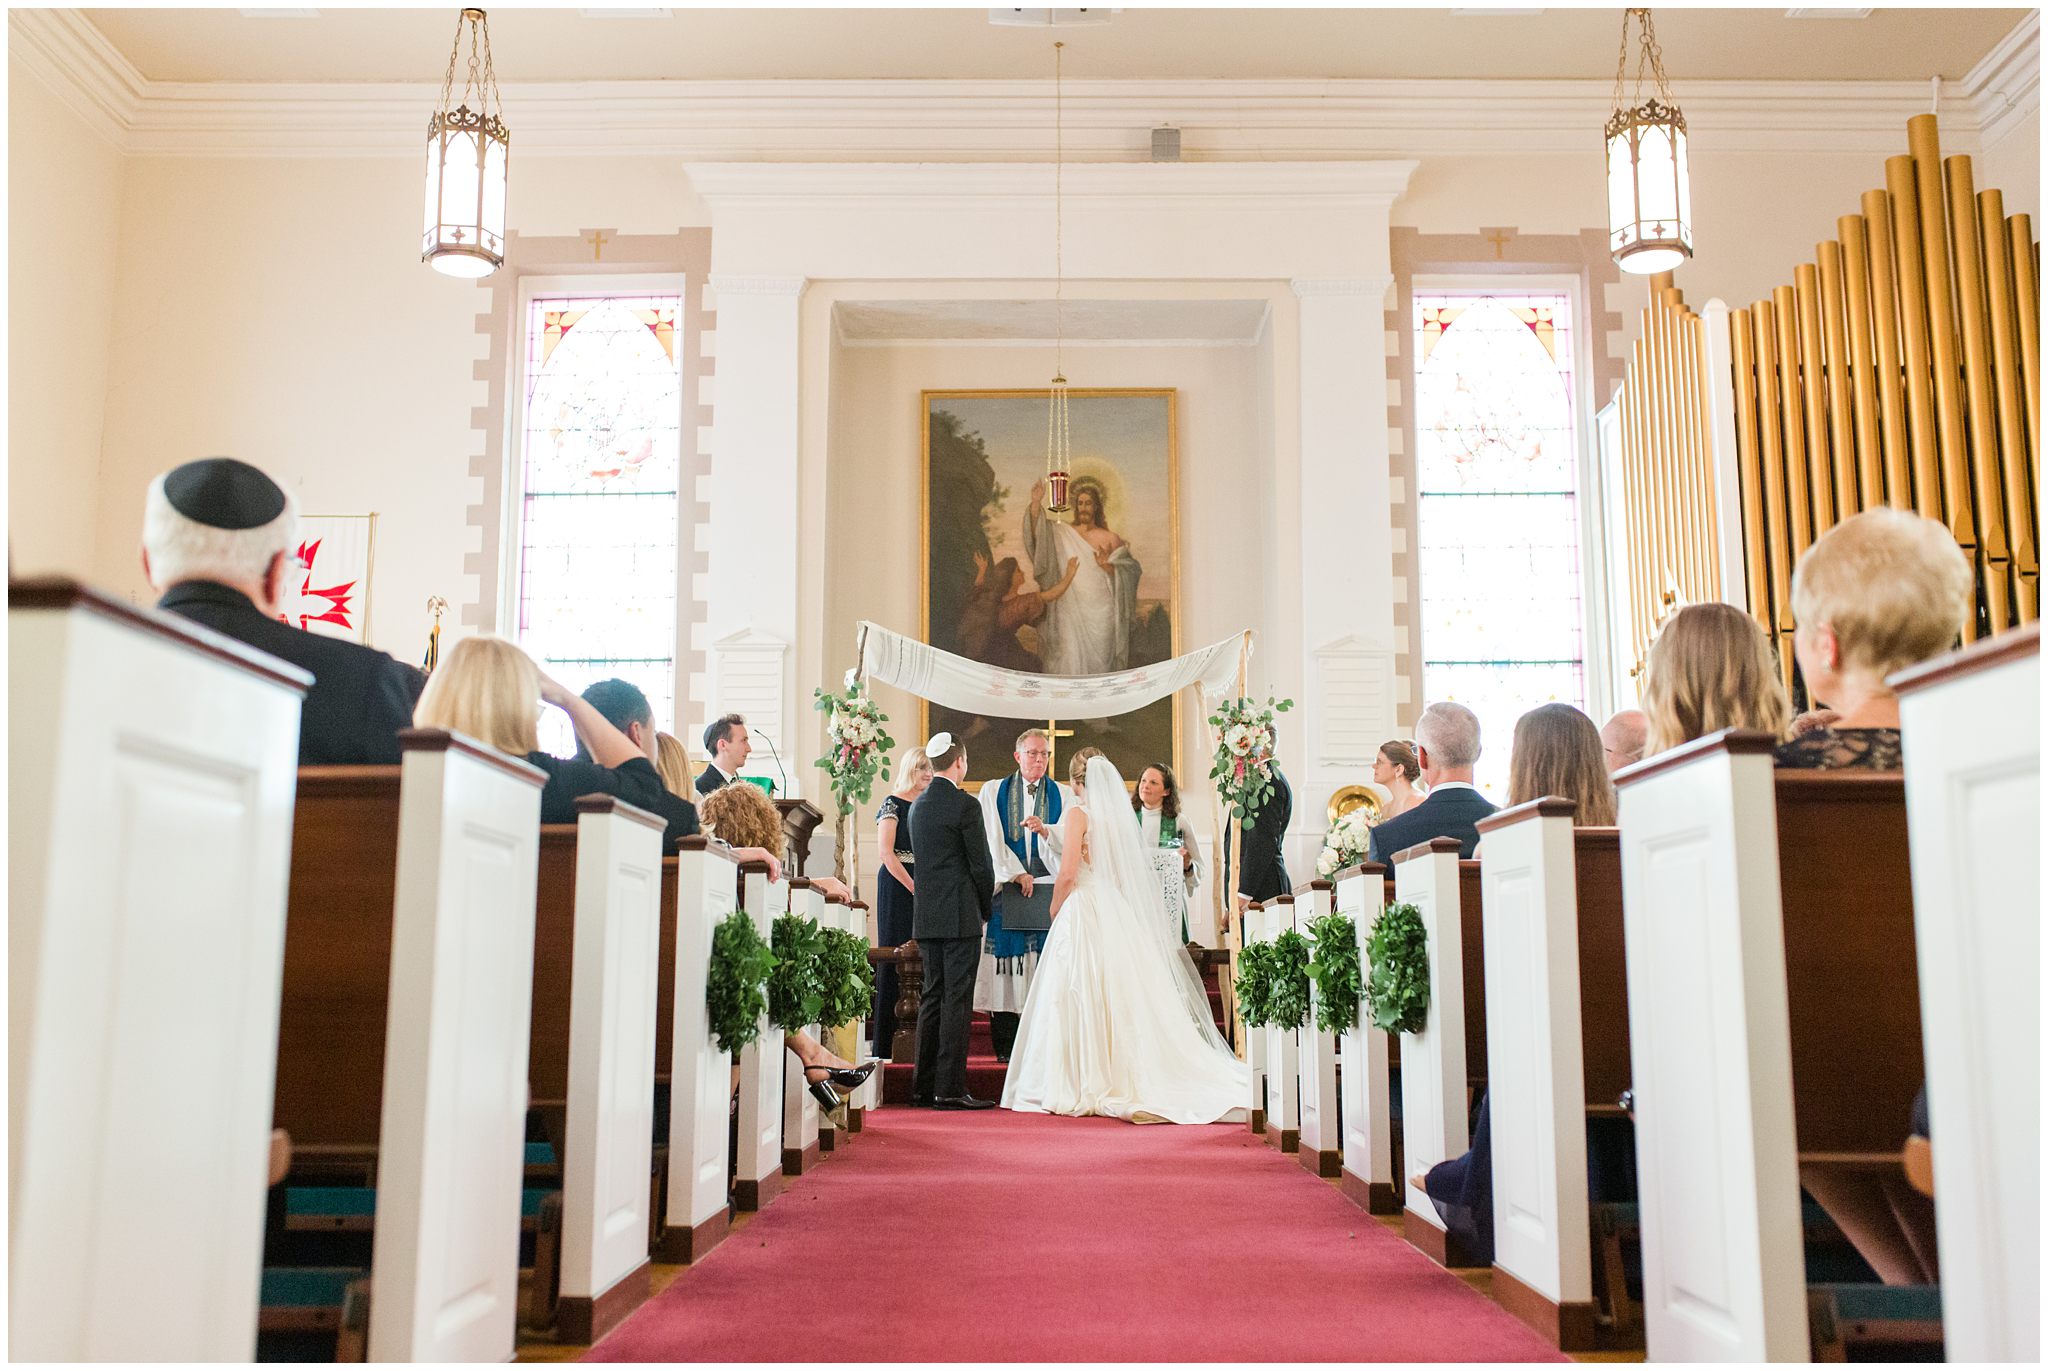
(598, 238)
(1054, 733)
(1499, 238)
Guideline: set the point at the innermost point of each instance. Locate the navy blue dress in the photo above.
(892, 922)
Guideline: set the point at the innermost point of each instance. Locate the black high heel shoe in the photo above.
(850, 1077)
(827, 1098)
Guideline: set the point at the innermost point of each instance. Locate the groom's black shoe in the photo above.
(962, 1102)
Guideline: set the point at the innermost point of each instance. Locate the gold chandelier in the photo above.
(1649, 198)
(467, 145)
(1059, 464)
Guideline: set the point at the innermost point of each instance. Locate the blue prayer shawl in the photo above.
(1010, 949)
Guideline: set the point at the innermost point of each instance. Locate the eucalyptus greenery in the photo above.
(845, 977)
(796, 990)
(1335, 970)
(1254, 982)
(1397, 992)
(735, 984)
(1287, 997)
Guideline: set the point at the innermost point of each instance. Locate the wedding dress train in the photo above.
(1117, 1022)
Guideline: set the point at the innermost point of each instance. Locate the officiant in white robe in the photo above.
(1192, 921)
(1018, 847)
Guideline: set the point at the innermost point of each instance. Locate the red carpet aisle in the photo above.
(1002, 1237)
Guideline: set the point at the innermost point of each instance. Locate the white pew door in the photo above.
(152, 782)
(800, 1118)
(1364, 1077)
(1283, 1052)
(758, 1176)
(610, 1121)
(1973, 800)
(1433, 1076)
(452, 1138)
(700, 1071)
(1319, 1140)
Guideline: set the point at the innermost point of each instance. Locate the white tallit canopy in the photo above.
(976, 688)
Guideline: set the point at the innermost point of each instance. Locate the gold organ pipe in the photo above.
(2012, 425)
(1912, 268)
(1862, 369)
(1671, 552)
(1981, 412)
(1789, 400)
(1678, 480)
(1891, 389)
(1820, 478)
(1664, 526)
(1922, 137)
(1770, 416)
(1834, 319)
(1632, 530)
(1703, 472)
(1755, 564)
(2026, 285)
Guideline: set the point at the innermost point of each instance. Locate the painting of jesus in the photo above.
(1080, 593)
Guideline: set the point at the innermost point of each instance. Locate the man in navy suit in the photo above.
(1447, 746)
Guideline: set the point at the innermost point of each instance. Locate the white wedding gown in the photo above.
(1117, 1022)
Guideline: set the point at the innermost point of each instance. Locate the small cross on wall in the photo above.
(597, 238)
(1499, 238)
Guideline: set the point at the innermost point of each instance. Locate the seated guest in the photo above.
(1447, 748)
(672, 760)
(219, 542)
(1622, 738)
(725, 738)
(1557, 752)
(624, 706)
(491, 690)
(1396, 770)
(1877, 593)
(1711, 668)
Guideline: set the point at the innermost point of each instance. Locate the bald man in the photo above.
(1624, 736)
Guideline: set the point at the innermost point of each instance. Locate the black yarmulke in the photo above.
(221, 492)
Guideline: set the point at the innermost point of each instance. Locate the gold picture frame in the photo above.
(1093, 413)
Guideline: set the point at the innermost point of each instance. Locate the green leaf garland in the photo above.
(845, 977)
(1254, 982)
(796, 989)
(1338, 978)
(1397, 993)
(1287, 996)
(735, 984)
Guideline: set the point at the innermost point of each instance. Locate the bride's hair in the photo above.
(1077, 768)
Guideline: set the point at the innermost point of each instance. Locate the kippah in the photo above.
(221, 492)
(937, 743)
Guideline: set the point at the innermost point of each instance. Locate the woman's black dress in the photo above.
(892, 923)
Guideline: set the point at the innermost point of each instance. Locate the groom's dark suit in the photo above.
(956, 881)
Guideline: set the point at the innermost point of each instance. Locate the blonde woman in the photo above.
(895, 885)
(1877, 593)
(1558, 752)
(1711, 668)
(672, 763)
(490, 690)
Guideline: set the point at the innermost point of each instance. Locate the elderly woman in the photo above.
(895, 884)
(491, 690)
(1877, 593)
(1711, 668)
(1157, 802)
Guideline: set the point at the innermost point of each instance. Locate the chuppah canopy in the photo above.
(977, 688)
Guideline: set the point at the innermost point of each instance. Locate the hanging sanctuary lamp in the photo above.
(467, 144)
(1649, 200)
(1059, 465)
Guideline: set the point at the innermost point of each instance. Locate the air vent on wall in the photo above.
(1827, 14)
(1060, 19)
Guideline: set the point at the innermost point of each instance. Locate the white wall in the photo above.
(64, 192)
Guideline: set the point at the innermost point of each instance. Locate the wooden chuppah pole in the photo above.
(1226, 889)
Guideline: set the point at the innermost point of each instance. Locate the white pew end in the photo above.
(1254, 930)
(610, 1123)
(800, 1115)
(1434, 1075)
(758, 1178)
(452, 1136)
(1283, 1051)
(1973, 804)
(1367, 1178)
(1321, 1147)
(700, 1071)
(152, 786)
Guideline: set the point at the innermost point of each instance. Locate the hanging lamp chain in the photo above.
(481, 76)
(1059, 160)
(1649, 59)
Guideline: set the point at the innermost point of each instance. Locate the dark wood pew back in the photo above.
(337, 956)
(1472, 926)
(554, 948)
(1603, 966)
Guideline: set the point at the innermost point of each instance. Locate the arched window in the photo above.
(1497, 483)
(600, 451)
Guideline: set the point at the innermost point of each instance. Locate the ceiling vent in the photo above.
(1827, 14)
(1050, 19)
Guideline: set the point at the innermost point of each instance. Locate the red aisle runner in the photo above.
(999, 1237)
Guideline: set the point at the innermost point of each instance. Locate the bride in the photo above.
(1117, 1022)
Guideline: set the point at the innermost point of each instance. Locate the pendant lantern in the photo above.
(1649, 198)
(467, 147)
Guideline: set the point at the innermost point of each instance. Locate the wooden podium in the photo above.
(800, 818)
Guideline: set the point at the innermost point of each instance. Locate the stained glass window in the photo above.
(600, 456)
(1497, 468)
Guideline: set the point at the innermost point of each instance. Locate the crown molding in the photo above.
(725, 283)
(1373, 288)
(996, 121)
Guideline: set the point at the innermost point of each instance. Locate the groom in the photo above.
(955, 893)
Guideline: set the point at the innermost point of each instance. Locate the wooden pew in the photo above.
(596, 941)
(801, 1146)
(1557, 1019)
(1367, 1176)
(152, 786)
(1441, 1064)
(1321, 1148)
(758, 1176)
(1774, 1025)
(1973, 805)
(1283, 1050)
(704, 892)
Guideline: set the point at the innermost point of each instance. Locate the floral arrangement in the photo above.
(736, 985)
(1243, 765)
(1397, 991)
(1287, 989)
(1348, 841)
(796, 990)
(1255, 983)
(857, 742)
(846, 978)
(1338, 978)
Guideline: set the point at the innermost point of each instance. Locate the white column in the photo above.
(752, 590)
(1347, 569)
